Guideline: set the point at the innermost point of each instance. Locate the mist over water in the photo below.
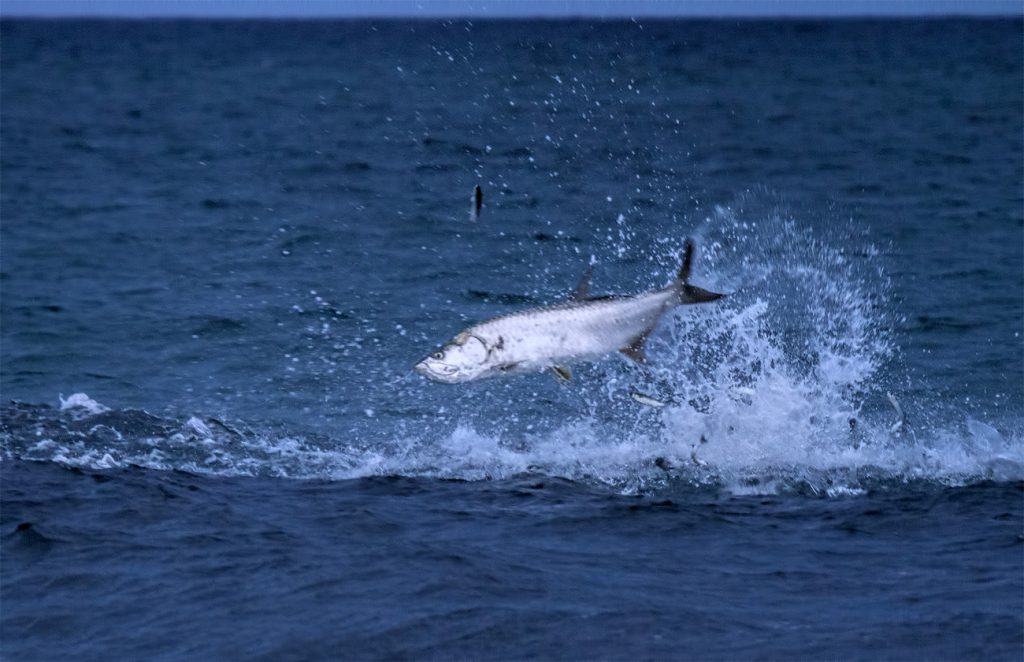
(225, 245)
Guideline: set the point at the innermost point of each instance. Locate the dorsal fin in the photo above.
(582, 289)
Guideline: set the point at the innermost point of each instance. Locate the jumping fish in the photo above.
(476, 201)
(648, 400)
(548, 338)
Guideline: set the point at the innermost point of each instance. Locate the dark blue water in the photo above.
(224, 245)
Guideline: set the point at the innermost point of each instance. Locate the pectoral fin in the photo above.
(561, 373)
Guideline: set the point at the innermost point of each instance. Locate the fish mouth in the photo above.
(438, 373)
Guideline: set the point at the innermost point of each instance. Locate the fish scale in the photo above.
(534, 340)
(553, 336)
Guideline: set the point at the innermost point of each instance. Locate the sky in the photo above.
(485, 8)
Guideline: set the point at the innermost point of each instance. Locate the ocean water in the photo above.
(225, 244)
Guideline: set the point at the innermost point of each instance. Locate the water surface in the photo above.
(226, 243)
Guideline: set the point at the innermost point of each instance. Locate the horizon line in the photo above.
(502, 9)
(4, 15)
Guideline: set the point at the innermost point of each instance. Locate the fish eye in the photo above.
(438, 355)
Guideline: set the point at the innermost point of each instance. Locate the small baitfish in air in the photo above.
(549, 338)
(476, 201)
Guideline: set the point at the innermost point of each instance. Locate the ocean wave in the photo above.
(791, 383)
(741, 459)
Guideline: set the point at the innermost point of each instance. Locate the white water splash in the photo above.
(83, 402)
(781, 386)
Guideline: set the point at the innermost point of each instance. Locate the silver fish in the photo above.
(645, 399)
(584, 328)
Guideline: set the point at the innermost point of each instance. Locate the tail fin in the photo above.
(691, 293)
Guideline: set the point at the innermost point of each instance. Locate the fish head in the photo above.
(463, 359)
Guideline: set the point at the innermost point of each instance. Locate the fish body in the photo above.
(647, 400)
(550, 337)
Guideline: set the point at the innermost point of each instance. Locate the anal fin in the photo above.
(635, 349)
